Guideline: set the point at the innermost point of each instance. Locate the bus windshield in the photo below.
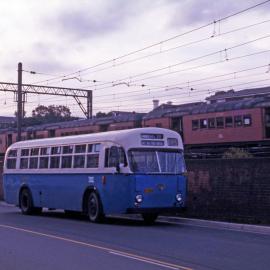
(156, 161)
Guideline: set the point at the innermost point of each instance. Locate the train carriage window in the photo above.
(228, 121)
(195, 124)
(203, 123)
(66, 162)
(220, 122)
(238, 121)
(211, 123)
(247, 120)
(79, 161)
(24, 163)
(92, 161)
(80, 148)
(33, 163)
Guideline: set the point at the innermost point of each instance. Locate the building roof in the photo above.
(203, 107)
(7, 119)
(171, 110)
(223, 95)
(116, 118)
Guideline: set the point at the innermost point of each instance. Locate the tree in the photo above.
(102, 114)
(51, 112)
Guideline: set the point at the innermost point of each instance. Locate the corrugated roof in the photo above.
(241, 93)
(7, 119)
(202, 107)
(119, 117)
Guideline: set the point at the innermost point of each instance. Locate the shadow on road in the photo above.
(109, 220)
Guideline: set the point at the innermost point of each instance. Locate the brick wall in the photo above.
(1, 177)
(232, 190)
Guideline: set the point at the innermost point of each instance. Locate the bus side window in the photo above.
(122, 156)
(11, 159)
(112, 161)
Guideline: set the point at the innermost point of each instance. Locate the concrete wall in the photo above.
(232, 190)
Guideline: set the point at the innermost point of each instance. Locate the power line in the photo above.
(158, 43)
(183, 84)
(193, 68)
(192, 59)
(189, 87)
(177, 47)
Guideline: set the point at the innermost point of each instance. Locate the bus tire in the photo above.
(95, 210)
(149, 218)
(26, 203)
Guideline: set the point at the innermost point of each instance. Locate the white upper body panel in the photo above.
(130, 138)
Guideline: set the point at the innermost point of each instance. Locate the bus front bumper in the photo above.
(161, 210)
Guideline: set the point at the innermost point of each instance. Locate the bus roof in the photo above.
(122, 137)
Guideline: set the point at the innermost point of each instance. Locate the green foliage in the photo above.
(51, 111)
(235, 152)
(102, 114)
(51, 114)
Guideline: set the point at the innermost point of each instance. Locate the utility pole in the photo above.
(89, 105)
(19, 103)
(20, 90)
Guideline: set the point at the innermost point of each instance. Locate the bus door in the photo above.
(116, 184)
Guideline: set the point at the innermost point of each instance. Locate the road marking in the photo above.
(146, 260)
(109, 250)
(215, 228)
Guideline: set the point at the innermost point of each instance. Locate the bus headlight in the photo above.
(139, 198)
(178, 197)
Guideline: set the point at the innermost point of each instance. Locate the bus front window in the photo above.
(156, 161)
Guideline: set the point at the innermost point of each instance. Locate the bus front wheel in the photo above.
(95, 212)
(149, 218)
(26, 203)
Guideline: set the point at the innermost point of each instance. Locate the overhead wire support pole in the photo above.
(50, 90)
(19, 103)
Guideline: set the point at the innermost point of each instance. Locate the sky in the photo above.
(130, 53)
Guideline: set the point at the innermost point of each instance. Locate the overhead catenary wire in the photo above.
(157, 43)
(183, 83)
(190, 87)
(193, 68)
(177, 47)
(191, 60)
(187, 94)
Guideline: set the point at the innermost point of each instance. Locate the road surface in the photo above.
(55, 241)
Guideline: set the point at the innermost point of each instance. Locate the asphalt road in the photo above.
(55, 241)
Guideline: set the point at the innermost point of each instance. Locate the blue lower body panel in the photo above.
(116, 191)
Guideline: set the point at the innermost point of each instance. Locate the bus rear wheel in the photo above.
(26, 203)
(95, 211)
(149, 218)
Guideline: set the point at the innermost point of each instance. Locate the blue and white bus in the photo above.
(128, 171)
